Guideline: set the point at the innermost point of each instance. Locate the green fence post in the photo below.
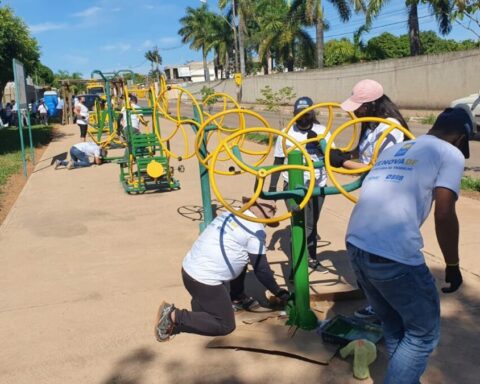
(299, 311)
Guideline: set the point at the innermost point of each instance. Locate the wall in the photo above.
(422, 82)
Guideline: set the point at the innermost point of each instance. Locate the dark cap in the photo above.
(133, 98)
(458, 119)
(302, 103)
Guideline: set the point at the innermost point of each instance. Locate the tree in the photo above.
(76, 88)
(467, 11)
(196, 30)
(221, 41)
(387, 46)
(441, 9)
(44, 75)
(311, 13)
(282, 35)
(153, 56)
(339, 52)
(15, 43)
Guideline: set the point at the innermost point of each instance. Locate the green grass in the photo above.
(470, 184)
(260, 138)
(10, 153)
(430, 119)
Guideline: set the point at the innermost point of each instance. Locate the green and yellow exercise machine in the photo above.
(299, 192)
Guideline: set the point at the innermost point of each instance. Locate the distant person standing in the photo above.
(43, 111)
(81, 113)
(59, 110)
(33, 111)
(14, 117)
(8, 114)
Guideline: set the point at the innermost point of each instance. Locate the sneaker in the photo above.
(365, 313)
(163, 323)
(246, 303)
(57, 164)
(71, 165)
(317, 266)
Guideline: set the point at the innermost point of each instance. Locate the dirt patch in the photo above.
(14, 185)
(470, 194)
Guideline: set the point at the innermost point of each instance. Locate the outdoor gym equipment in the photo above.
(146, 162)
(298, 162)
(359, 171)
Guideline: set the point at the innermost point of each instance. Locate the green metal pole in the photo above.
(299, 311)
(32, 151)
(204, 180)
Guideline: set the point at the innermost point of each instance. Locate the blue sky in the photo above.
(83, 35)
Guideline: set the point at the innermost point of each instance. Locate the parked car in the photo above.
(473, 101)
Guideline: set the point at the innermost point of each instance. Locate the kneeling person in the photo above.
(80, 153)
(217, 257)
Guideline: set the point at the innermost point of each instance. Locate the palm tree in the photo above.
(441, 9)
(221, 41)
(282, 34)
(242, 9)
(197, 30)
(311, 13)
(155, 59)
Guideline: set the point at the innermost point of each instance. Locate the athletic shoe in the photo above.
(246, 303)
(71, 165)
(365, 313)
(57, 164)
(164, 324)
(317, 266)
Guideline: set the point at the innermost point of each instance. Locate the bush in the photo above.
(273, 100)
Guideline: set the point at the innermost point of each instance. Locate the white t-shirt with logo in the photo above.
(221, 251)
(369, 140)
(42, 109)
(311, 148)
(396, 197)
(89, 148)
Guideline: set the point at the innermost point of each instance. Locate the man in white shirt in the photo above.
(217, 257)
(135, 118)
(384, 241)
(43, 112)
(80, 156)
(306, 127)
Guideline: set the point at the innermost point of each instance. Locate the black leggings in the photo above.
(212, 313)
(83, 130)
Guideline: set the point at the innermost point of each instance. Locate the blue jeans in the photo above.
(406, 300)
(79, 158)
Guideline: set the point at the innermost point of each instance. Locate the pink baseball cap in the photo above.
(363, 92)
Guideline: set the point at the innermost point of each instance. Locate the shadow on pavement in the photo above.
(131, 368)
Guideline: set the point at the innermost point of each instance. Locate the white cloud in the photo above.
(168, 41)
(147, 44)
(92, 11)
(121, 47)
(43, 27)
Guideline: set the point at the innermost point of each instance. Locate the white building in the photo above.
(190, 72)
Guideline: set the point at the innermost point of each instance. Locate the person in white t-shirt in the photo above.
(43, 112)
(80, 156)
(82, 114)
(384, 242)
(306, 127)
(369, 100)
(135, 118)
(59, 110)
(217, 257)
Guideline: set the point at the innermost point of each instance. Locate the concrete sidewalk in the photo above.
(84, 267)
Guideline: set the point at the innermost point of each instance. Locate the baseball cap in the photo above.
(302, 103)
(363, 92)
(458, 119)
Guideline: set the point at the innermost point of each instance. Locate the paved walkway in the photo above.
(84, 266)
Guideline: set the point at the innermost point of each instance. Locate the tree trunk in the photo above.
(319, 35)
(241, 47)
(414, 30)
(227, 65)
(206, 72)
(266, 62)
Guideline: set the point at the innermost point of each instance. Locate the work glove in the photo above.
(283, 295)
(454, 277)
(337, 157)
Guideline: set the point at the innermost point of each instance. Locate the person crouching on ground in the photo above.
(80, 153)
(217, 257)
